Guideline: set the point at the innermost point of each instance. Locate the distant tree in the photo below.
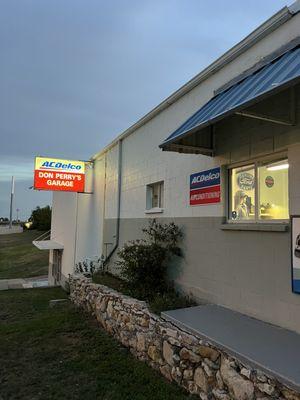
(41, 218)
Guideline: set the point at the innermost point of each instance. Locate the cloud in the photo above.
(75, 73)
(21, 169)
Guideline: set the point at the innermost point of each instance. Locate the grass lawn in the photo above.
(59, 353)
(19, 258)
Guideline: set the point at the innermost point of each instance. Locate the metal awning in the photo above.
(281, 73)
(47, 245)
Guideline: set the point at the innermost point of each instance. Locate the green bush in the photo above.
(143, 268)
(143, 263)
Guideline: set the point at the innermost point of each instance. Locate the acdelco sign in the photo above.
(56, 174)
(205, 187)
(210, 177)
(60, 166)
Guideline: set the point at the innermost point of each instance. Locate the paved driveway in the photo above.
(26, 283)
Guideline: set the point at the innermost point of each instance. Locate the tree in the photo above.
(41, 218)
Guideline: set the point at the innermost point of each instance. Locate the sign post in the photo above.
(11, 200)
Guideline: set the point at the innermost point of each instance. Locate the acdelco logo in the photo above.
(205, 177)
(59, 165)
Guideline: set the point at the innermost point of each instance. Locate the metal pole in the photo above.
(76, 229)
(11, 201)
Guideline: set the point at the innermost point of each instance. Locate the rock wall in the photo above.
(185, 359)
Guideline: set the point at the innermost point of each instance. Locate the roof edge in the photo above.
(259, 33)
(295, 7)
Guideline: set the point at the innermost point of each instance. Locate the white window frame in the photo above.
(258, 162)
(149, 198)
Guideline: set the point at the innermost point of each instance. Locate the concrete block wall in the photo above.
(63, 228)
(77, 220)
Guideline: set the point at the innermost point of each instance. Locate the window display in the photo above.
(259, 191)
(273, 191)
(243, 193)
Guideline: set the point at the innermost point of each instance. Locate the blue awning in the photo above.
(277, 75)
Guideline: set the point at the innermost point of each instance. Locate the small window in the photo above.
(259, 191)
(155, 195)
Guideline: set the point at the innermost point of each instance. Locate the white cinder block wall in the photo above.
(144, 162)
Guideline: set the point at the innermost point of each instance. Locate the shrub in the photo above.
(88, 267)
(143, 263)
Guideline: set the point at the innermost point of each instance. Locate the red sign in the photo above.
(206, 195)
(59, 175)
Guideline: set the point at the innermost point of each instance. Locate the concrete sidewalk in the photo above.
(24, 283)
(267, 347)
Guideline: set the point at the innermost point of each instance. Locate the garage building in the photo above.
(221, 158)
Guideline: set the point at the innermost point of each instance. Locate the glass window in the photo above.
(273, 191)
(155, 195)
(243, 193)
(259, 191)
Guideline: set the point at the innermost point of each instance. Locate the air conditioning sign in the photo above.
(205, 187)
(57, 174)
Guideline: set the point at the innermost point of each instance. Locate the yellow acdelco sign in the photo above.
(46, 163)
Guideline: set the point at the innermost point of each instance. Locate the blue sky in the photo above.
(75, 73)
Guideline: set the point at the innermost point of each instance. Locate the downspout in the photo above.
(118, 203)
(104, 201)
(76, 230)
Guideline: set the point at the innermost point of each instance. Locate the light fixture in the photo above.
(278, 166)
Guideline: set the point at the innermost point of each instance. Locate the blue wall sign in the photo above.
(210, 177)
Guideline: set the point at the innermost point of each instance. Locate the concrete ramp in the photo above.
(262, 345)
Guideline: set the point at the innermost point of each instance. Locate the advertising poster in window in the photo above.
(59, 175)
(205, 187)
(295, 250)
(242, 183)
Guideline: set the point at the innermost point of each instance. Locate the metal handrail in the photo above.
(43, 236)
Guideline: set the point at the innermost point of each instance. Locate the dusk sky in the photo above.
(75, 73)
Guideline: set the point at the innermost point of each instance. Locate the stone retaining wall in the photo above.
(185, 359)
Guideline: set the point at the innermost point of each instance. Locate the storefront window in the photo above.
(273, 191)
(259, 192)
(243, 193)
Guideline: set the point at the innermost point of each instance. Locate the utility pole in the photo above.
(11, 201)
